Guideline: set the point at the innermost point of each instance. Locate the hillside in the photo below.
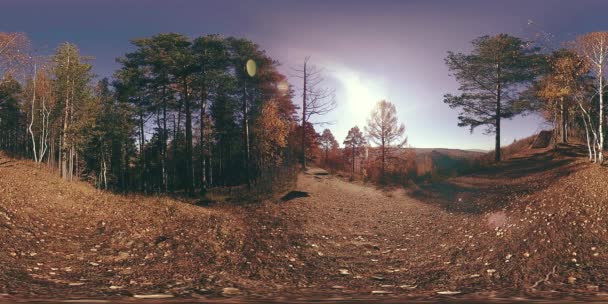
(445, 161)
(531, 227)
(456, 153)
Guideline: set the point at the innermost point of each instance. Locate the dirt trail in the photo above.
(487, 236)
(387, 241)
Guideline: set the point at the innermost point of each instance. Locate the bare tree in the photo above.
(316, 99)
(593, 48)
(384, 130)
(14, 53)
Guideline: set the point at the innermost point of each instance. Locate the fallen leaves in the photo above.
(153, 296)
(448, 293)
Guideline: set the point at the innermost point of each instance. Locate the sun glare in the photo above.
(360, 94)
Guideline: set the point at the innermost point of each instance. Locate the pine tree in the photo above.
(490, 78)
(354, 141)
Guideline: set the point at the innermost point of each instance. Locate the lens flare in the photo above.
(283, 87)
(251, 67)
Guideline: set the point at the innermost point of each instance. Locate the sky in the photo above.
(368, 50)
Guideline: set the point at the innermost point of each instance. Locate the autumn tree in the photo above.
(569, 80)
(72, 76)
(558, 88)
(353, 142)
(14, 55)
(328, 143)
(311, 141)
(317, 100)
(593, 48)
(271, 132)
(384, 130)
(12, 121)
(38, 105)
(490, 78)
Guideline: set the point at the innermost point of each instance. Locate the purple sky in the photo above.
(370, 50)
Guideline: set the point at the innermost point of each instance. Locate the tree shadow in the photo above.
(293, 195)
(7, 163)
(497, 186)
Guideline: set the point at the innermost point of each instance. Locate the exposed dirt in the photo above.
(533, 227)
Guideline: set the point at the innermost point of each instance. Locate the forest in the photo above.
(181, 114)
(184, 115)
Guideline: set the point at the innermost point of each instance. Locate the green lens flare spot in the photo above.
(252, 67)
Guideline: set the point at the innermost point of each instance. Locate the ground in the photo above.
(532, 227)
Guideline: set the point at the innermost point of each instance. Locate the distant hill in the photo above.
(478, 150)
(445, 161)
(457, 153)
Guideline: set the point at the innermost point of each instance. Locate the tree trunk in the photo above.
(32, 121)
(63, 147)
(352, 173)
(497, 144)
(587, 136)
(246, 138)
(600, 147)
(142, 152)
(563, 125)
(203, 164)
(383, 151)
(163, 138)
(304, 120)
(189, 168)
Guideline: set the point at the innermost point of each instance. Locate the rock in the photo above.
(154, 296)
(571, 280)
(491, 271)
(231, 291)
(115, 287)
(93, 264)
(380, 292)
(344, 272)
(378, 278)
(337, 287)
(474, 276)
(448, 293)
(76, 284)
(407, 286)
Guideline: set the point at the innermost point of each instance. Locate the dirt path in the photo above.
(370, 240)
(487, 236)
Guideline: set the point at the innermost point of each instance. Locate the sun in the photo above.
(361, 93)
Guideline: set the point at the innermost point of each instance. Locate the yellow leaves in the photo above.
(271, 132)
